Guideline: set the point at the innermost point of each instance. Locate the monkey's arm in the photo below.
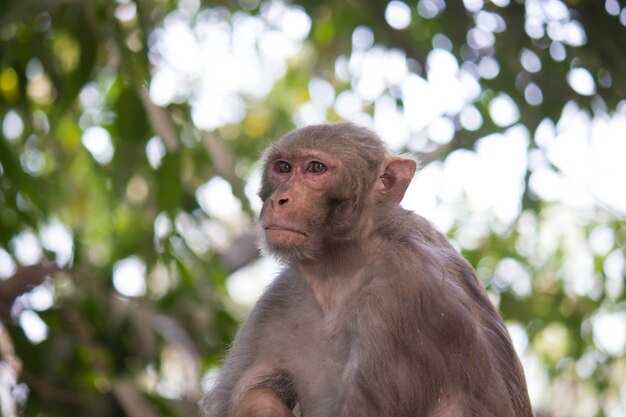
(250, 371)
(218, 402)
(245, 379)
(262, 402)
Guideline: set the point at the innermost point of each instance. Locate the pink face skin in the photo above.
(299, 184)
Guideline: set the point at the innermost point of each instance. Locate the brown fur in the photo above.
(375, 313)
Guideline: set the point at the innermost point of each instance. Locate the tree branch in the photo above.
(224, 162)
(7, 351)
(161, 121)
(25, 279)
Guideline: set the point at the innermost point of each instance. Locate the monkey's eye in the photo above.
(316, 167)
(283, 167)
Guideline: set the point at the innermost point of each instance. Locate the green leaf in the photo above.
(169, 187)
(132, 122)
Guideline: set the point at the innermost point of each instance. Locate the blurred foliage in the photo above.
(106, 353)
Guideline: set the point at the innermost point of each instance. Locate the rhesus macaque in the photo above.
(375, 313)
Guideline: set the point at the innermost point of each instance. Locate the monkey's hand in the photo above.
(262, 402)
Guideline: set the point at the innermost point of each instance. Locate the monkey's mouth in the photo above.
(277, 228)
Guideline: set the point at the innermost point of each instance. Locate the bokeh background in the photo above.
(129, 138)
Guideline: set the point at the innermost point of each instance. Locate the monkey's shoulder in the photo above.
(286, 294)
(420, 262)
(286, 324)
(398, 225)
(426, 233)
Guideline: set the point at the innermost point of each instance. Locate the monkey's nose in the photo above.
(282, 201)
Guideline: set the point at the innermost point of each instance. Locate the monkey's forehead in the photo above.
(333, 133)
(343, 140)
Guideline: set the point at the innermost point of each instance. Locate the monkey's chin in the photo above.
(288, 247)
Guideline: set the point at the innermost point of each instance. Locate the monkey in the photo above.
(374, 313)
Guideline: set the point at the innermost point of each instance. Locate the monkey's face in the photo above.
(320, 186)
(297, 194)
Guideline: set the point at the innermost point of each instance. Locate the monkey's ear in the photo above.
(396, 175)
